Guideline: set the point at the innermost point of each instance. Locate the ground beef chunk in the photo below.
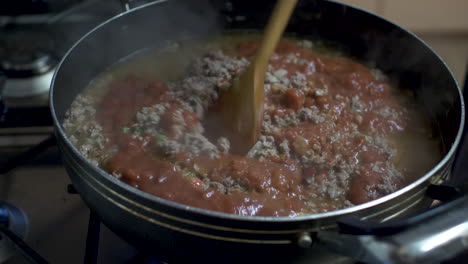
(85, 132)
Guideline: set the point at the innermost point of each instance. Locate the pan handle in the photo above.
(440, 234)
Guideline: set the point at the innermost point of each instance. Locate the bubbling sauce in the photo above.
(335, 132)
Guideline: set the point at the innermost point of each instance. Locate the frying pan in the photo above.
(178, 233)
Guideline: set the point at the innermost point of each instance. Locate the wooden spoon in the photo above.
(242, 104)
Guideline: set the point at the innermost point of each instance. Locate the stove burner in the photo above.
(27, 59)
(26, 64)
(26, 51)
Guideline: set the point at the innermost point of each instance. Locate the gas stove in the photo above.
(46, 220)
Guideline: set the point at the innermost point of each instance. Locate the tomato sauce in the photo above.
(340, 154)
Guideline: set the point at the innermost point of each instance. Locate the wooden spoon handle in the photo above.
(276, 25)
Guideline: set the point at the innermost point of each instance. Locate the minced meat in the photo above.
(326, 141)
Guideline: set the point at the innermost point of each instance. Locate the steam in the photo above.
(153, 25)
(413, 65)
(72, 23)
